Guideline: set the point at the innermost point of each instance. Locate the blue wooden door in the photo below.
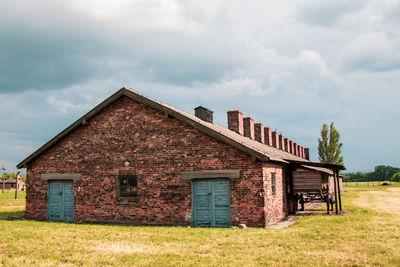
(211, 203)
(60, 205)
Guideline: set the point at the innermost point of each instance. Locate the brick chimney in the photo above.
(286, 142)
(281, 143)
(259, 132)
(275, 139)
(235, 121)
(307, 153)
(294, 149)
(204, 114)
(290, 142)
(248, 127)
(268, 136)
(302, 152)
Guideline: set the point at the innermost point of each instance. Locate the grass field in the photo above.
(367, 235)
(364, 184)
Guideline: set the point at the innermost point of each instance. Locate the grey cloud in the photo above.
(325, 13)
(70, 49)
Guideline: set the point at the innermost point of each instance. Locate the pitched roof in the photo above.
(10, 181)
(256, 149)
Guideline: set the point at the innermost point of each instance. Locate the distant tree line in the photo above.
(380, 173)
(11, 175)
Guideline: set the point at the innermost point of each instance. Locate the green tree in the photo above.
(396, 177)
(11, 175)
(329, 146)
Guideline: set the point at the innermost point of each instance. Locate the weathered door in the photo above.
(211, 203)
(60, 205)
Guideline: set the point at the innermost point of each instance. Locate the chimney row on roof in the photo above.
(259, 133)
(235, 121)
(256, 131)
(248, 127)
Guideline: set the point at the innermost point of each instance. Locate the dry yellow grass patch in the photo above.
(387, 201)
(135, 248)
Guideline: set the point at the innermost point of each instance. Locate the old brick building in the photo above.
(11, 184)
(134, 160)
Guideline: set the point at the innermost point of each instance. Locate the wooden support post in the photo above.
(338, 182)
(302, 202)
(336, 195)
(4, 179)
(290, 190)
(327, 199)
(16, 185)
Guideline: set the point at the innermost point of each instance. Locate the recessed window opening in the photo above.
(273, 183)
(127, 186)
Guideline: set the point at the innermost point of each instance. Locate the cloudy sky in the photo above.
(292, 65)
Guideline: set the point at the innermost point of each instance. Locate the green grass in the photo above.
(11, 207)
(365, 236)
(369, 184)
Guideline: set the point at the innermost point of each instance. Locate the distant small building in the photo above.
(11, 184)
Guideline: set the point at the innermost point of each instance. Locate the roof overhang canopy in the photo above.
(334, 167)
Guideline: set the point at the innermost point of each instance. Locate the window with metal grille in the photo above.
(127, 186)
(273, 183)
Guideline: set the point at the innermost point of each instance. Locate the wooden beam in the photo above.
(318, 164)
(230, 174)
(60, 176)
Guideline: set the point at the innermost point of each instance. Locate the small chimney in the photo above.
(248, 126)
(298, 150)
(302, 152)
(268, 136)
(235, 121)
(286, 142)
(290, 142)
(307, 153)
(259, 133)
(281, 145)
(204, 114)
(275, 139)
(294, 149)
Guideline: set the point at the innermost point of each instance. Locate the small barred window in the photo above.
(127, 186)
(273, 183)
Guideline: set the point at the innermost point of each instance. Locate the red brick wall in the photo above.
(158, 149)
(275, 206)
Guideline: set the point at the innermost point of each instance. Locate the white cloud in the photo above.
(374, 51)
(140, 15)
(64, 106)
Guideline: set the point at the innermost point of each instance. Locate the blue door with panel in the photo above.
(60, 205)
(211, 203)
